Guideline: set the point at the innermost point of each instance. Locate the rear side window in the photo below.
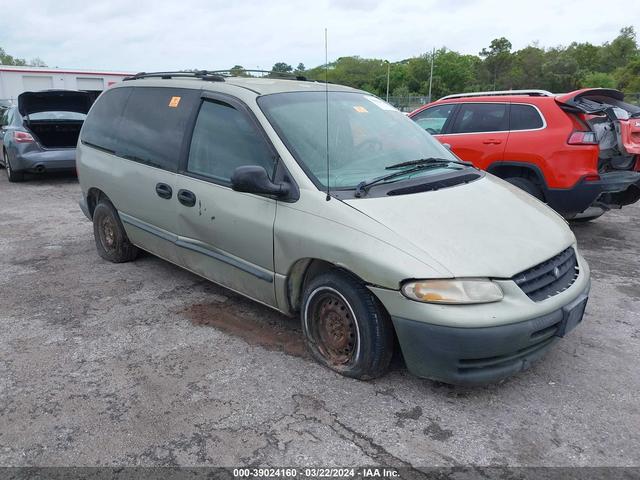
(153, 125)
(223, 139)
(525, 117)
(434, 118)
(100, 127)
(481, 117)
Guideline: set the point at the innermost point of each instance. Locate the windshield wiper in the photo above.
(362, 187)
(427, 161)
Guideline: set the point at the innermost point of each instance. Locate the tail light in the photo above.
(22, 137)
(582, 138)
(592, 178)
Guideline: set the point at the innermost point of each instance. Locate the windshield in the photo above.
(366, 135)
(57, 116)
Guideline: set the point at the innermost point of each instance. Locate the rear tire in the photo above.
(345, 327)
(111, 239)
(12, 175)
(526, 185)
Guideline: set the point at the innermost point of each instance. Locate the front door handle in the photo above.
(164, 191)
(492, 141)
(186, 198)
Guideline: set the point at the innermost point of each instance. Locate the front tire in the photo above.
(526, 185)
(111, 239)
(345, 327)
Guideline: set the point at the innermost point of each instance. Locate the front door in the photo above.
(224, 235)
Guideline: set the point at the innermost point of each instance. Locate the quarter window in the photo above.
(100, 127)
(481, 117)
(434, 118)
(224, 139)
(525, 117)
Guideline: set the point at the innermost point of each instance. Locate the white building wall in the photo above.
(15, 80)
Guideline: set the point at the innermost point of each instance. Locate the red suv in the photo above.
(579, 152)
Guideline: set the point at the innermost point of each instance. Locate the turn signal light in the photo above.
(22, 137)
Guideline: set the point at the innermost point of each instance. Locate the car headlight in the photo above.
(454, 291)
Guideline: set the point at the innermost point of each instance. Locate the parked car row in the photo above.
(579, 152)
(325, 202)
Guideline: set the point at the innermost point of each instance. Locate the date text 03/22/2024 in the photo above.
(309, 472)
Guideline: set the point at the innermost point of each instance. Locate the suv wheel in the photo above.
(12, 175)
(345, 327)
(111, 239)
(526, 185)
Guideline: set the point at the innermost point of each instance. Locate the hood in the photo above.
(486, 228)
(54, 101)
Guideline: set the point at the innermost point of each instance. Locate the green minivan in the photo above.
(326, 202)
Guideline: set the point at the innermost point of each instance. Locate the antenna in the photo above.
(326, 102)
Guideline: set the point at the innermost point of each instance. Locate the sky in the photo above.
(148, 35)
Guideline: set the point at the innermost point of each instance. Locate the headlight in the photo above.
(467, 291)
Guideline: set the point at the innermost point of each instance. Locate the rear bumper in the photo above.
(476, 356)
(45, 160)
(613, 190)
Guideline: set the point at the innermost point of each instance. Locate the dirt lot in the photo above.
(147, 364)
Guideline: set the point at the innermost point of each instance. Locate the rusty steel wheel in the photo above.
(346, 328)
(107, 233)
(332, 326)
(111, 239)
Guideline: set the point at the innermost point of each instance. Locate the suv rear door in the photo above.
(224, 235)
(478, 132)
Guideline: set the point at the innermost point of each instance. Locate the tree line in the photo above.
(613, 64)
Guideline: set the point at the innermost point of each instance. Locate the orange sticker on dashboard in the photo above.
(360, 109)
(174, 102)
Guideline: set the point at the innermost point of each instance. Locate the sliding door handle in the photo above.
(186, 198)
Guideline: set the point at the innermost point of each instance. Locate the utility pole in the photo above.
(388, 71)
(433, 55)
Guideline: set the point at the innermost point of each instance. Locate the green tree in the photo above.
(300, 68)
(497, 60)
(622, 50)
(6, 59)
(281, 67)
(238, 71)
(598, 80)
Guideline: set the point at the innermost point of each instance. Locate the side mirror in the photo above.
(254, 179)
(447, 146)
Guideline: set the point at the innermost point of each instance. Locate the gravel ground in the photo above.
(147, 364)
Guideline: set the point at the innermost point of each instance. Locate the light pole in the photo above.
(388, 71)
(433, 55)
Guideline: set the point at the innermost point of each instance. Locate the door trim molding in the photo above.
(198, 247)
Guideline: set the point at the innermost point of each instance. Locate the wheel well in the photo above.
(304, 270)
(93, 198)
(507, 171)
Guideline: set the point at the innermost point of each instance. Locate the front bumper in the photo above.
(476, 356)
(613, 190)
(483, 343)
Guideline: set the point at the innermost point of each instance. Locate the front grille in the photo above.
(550, 277)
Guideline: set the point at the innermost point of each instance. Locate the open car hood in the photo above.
(54, 101)
(595, 100)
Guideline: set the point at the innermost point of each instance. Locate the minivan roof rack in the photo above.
(497, 93)
(264, 73)
(202, 74)
(218, 75)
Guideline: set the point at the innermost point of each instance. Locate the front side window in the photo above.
(524, 117)
(223, 139)
(434, 118)
(366, 135)
(481, 117)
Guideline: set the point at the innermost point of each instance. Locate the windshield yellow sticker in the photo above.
(174, 102)
(360, 109)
